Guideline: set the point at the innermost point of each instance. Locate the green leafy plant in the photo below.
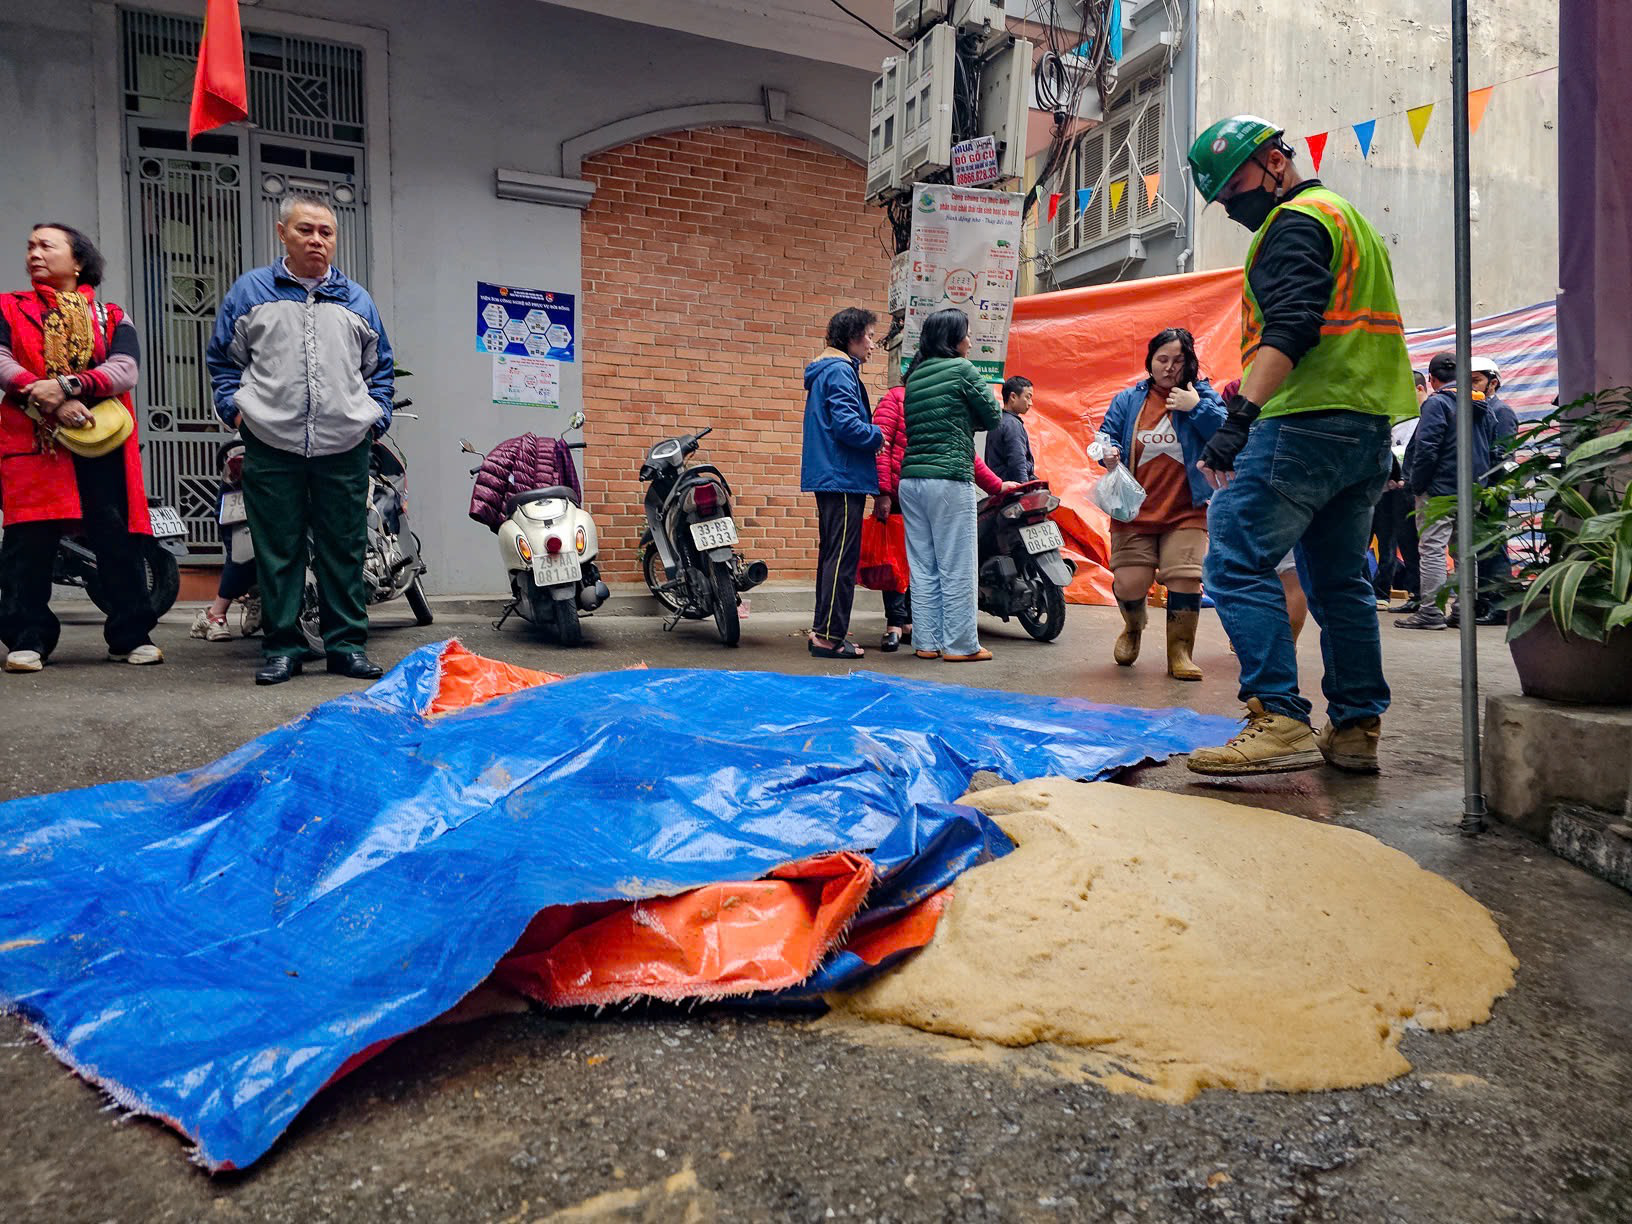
(1570, 475)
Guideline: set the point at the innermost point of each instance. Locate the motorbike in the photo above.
(551, 550)
(75, 563)
(688, 552)
(1022, 573)
(392, 565)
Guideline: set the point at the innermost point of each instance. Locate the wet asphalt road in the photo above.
(672, 1114)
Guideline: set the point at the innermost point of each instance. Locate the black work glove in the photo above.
(1226, 444)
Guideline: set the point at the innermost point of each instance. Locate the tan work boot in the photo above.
(1353, 748)
(1127, 645)
(1181, 640)
(1269, 743)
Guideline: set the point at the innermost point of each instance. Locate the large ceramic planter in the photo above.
(1574, 670)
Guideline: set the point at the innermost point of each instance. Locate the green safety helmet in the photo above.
(1224, 148)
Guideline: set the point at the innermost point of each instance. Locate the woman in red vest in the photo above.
(61, 352)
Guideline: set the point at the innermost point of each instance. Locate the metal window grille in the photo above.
(297, 86)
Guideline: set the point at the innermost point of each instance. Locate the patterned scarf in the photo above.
(69, 340)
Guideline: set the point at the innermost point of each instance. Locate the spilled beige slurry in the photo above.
(1164, 944)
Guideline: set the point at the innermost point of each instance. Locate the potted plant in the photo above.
(1561, 505)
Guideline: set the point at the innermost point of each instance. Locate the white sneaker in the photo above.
(142, 656)
(24, 661)
(209, 628)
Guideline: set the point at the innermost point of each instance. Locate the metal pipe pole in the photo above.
(1467, 567)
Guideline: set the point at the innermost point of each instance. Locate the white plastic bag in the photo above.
(1119, 494)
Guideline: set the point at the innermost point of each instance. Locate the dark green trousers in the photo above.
(290, 499)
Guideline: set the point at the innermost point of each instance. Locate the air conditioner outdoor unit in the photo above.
(1005, 105)
(913, 16)
(884, 132)
(983, 17)
(926, 104)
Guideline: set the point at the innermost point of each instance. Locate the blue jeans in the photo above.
(1310, 481)
(940, 519)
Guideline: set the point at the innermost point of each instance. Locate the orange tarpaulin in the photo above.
(1080, 347)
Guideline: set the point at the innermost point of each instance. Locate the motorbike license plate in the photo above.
(232, 507)
(714, 533)
(165, 521)
(552, 569)
(1041, 537)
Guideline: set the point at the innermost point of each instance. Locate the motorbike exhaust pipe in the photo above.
(751, 575)
(593, 597)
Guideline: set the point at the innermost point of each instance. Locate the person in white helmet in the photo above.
(1485, 378)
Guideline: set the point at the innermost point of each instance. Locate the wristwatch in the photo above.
(72, 385)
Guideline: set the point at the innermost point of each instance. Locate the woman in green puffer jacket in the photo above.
(947, 403)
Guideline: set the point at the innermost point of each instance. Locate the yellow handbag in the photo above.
(110, 426)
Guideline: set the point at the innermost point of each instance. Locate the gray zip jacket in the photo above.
(309, 371)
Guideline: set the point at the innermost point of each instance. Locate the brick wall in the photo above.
(712, 260)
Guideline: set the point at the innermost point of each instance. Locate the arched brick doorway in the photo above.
(712, 259)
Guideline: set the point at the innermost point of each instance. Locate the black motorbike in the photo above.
(688, 553)
(75, 563)
(1022, 573)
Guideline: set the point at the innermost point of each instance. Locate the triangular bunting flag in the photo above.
(1152, 182)
(1419, 116)
(1363, 132)
(1053, 205)
(1083, 196)
(1478, 99)
(1117, 188)
(1545, 83)
(1317, 149)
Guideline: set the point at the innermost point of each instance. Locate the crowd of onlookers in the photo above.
(915, 456)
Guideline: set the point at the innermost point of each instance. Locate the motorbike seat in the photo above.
(535, 495)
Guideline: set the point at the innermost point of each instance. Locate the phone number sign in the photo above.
(525, 322)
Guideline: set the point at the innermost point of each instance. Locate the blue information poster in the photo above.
(524, 322)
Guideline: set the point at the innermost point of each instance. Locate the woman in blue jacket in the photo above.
(1159, 427)
(837, 465)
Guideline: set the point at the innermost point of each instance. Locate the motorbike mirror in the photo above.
(464, 445)
(577, 421)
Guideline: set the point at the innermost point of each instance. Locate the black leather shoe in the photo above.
(354, 666)
(277, 669)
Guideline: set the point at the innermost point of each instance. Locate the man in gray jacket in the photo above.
(301, 367)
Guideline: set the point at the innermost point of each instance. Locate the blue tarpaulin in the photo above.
(212, 946)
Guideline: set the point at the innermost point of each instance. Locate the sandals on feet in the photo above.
(891, 642)
(980, 656)
(927, 654)
(844, 650)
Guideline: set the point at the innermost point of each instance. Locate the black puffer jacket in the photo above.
(947, 404)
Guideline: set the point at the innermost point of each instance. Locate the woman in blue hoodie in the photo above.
(837, 466)
(1158, 427)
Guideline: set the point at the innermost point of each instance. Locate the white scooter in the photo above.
(551, 549)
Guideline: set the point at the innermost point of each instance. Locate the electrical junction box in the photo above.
(982, 17)
(1005, 105)
(926, 104)
(884, 132)
(914, 16)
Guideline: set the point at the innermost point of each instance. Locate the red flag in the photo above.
(1317, 149)
(1053, 205)
(220, 91)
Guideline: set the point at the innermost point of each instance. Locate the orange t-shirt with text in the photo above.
(1158, 465)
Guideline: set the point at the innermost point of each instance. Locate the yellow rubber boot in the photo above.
(1133, 628)
(1181, 640)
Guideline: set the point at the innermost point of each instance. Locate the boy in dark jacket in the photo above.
(1008, 446)
(840, 441)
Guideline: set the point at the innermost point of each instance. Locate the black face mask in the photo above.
(1251, 208)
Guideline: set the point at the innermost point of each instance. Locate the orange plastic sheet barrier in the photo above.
(1080, 347)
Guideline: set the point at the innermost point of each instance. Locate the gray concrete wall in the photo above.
(470, 88)
(1319, 65)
